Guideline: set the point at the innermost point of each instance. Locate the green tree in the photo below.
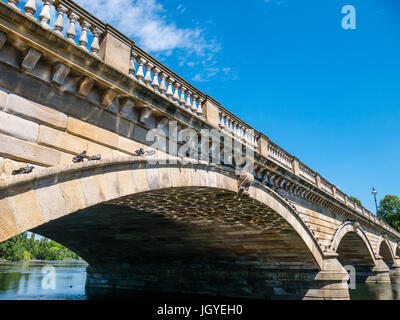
(389, 211)
(356, 201)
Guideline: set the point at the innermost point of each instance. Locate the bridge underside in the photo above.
(189, 240)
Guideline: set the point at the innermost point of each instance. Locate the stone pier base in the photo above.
(373, 274)
(260, 282)
(395, 272)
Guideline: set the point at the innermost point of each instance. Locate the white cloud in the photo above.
(147, 22)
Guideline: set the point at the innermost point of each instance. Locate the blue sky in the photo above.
(327, 95)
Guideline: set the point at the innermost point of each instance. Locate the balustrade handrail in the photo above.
(192, 101)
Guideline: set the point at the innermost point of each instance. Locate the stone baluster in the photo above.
(71, 32)
(95, 47)
(232, 127)
(200, 106)
(45, 14)
(227, 123)
(30, 8)
(176, 94)
(163, 87)
(182, 100)
(170, 92)
(13, 3)
(83, 40)
(59, 24)
(147, 79)
(132, 67)
(194, 107)
(155, 84)
(221, 120)
(188, 104)
(140, 73)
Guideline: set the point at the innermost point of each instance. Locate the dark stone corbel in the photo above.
(245, 180)
(147, 118)
(30, 60)
(108, 97)
(85, 86)
(60, 73)
(3, 39)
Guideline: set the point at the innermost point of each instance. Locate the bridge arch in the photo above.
(79, 206)
(353, 246)
(384, 250)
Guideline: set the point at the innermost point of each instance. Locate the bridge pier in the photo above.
(380, 273)
(330, 283)
(256, 282)
(395, 272)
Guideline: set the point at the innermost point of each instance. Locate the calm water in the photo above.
(23, 281)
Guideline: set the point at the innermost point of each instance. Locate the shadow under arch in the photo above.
(354, 249)
(185, 226)
(384, 249)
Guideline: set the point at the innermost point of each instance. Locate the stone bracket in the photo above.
(108, 98)
(3, 39)
(245, 180)
(31, 58)
(60, 73)
(85, 86)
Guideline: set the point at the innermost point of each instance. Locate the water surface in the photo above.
(23, 281)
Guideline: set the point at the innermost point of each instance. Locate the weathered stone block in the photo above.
(263, 147)
(92, 188)
(18, 128)
(91, 132)
(73, 195)
(114, 51)
(3, 99)
(26, 208)
(50, 199)
(61, 140)
(36, 112)
(109, 184)
(129, 146)
(8, 226)
(94, 149)
(211, 113)
(29, 152)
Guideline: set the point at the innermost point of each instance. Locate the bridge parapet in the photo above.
(137, 70)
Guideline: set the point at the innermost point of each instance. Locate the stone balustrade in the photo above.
(70, 21)
(230, 124)
(308, 174)
(281, 156)
(326, 186)
(147, 70)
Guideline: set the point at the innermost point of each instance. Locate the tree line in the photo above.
(23, 247)
(388, 210)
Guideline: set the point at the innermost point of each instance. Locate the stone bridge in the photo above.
(155, 223)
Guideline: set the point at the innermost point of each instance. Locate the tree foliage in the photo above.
(22, 247)
(389, 211)
(356, 201)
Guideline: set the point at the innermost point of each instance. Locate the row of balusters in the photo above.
(176, 91)
(30, 9)
(237, 129)
(145, 72)
(280, 155)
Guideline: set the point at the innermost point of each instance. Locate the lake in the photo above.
(24, 281)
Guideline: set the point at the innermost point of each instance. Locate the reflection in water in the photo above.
(23, 281)
(376, 291)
